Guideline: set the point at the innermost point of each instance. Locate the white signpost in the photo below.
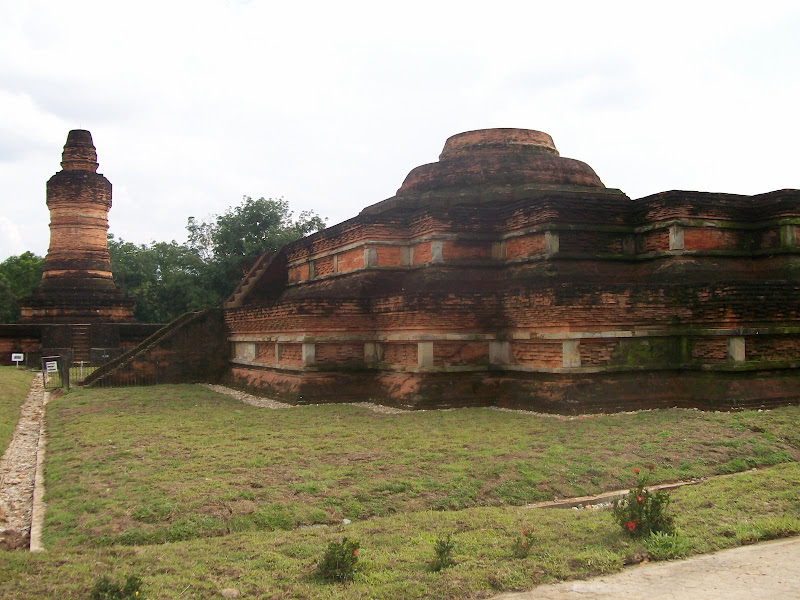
(17, 357)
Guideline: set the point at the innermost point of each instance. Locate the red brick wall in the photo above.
(324, 266)
(352, 259)
(298, 273)
(711, 350)
(452, 353)
(654, 241)
(711, 238)
(590, 242)
(422, 253)
(769, 238)
(339, 353)
(597, 352)
(291, 354)
(400, 353)
(538, 353)
(467, 251)
(525, 245)
(769, 347)
(265, 352)
(389, 256)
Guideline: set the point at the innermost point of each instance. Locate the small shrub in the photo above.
(105, 589)
(522, 545)
(666, 546)
(443, 554)
(641, 512)
(339, 561)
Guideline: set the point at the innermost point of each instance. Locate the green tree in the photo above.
(167, 279)
(232, 240)
(19, 275)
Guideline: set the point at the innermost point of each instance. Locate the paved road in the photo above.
(769, 570)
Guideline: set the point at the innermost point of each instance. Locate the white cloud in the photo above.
(193, 104)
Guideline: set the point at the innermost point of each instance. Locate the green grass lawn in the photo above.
(14, 386)
(196, 491)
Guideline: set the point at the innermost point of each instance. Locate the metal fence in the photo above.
(61, 371)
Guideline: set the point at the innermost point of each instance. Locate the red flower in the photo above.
(630, 525)
(355, 552)
(636, 471)
(638, 498)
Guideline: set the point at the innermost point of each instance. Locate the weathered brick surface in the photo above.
(713, 238)
(446, 353)
(622, 293)
(537, 353)
(265, 352)
(291, 355)
(653, 241)
(391, 256)
(351, 259)
(712, 350)
(340, 353)
(523, 246)
(467, 251)
(592, 242)
(400, 354)
(193, 348)
(77, 284)
(323, 266)
(773, 347)
(77, 291)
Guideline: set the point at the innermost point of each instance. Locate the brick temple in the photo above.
(77, 306)
(505, 274)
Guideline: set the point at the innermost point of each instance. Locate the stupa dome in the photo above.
(499, 157)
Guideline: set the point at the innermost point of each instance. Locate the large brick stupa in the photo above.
(506, 274)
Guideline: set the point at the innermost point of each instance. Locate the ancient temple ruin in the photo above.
(506, 274)
(77, 306)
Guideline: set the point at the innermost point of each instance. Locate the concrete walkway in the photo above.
(769, 570)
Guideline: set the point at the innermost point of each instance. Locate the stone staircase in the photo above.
(129, 356)
(264, 261)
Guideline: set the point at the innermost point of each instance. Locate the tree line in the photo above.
(167, 279)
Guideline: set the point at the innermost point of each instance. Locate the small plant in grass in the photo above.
(522, 544)
(666, 546)
(443, 554)
(339, 561)
(105, 589)
(642, 512)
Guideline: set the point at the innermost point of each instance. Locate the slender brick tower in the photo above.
(77, 285)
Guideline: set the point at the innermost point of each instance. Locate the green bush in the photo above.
(105, 589)
(443, 554)
(642, 512)
(339, 561)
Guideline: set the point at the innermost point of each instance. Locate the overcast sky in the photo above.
(194, 103)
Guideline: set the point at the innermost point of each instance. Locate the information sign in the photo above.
(51, 366)
(17, 357)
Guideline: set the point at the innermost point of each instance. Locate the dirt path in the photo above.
(18, 471)
(768, 570)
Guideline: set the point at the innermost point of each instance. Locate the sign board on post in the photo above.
(17, 357)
